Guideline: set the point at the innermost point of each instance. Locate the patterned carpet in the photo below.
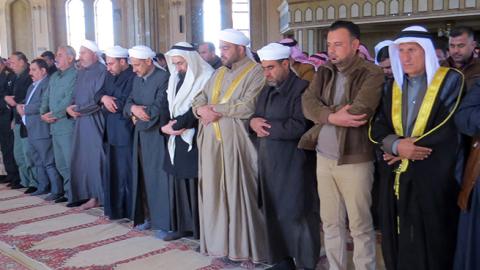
(35, 234)
(40, 235)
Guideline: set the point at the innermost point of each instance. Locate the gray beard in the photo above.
(272, 83)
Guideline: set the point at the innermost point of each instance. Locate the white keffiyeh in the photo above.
(197, 75)
(418, 35)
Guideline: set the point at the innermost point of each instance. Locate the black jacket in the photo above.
(7, 77)
(20, 88)
(118, 128)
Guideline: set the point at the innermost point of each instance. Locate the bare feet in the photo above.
(247, 265)
(90, 204)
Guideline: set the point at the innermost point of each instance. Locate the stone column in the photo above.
(195, 21)
(139, 17)
(89, 19)
(226, 13)
(118, 36)
(258, 24)
(58, 23)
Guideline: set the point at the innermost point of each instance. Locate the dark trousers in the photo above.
(118, 183)
(44, 163)
(184, 205)
(6, 146)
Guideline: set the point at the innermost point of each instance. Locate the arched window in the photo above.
(367, 9)
(330, 13)
(103, 23)
(407, 6)
(437, 4)
(453, 4)
(342, 12)
(75, 23)
(422, 5)
(394, 7)
(308, 15)
(297, 16)
(380, 8)
(211, 21)
(319, 14)
(241, 16)
(354, 10)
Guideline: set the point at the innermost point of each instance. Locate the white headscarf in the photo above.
(144, 52)
(418, 35)
(197, 75)
(274, 51)
(236, 37)
(92, 46)
(117, 52)
(381, 45)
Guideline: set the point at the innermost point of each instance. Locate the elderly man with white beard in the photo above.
(189, 75)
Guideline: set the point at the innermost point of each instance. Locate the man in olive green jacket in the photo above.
(53, 110)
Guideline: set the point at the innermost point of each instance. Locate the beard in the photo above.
(272, 83)
(181, 74)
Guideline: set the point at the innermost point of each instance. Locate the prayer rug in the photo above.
(40, 235)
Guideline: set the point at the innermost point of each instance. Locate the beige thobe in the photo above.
(231, 224)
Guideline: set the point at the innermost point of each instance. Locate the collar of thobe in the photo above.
(148, 74)
(124, 74)
(94, 65)
(417, 79)
(69, 69)
(284, 88)
(239, 64)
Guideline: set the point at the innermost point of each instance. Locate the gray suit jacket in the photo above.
(37, 129)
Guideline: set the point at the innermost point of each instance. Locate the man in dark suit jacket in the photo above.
(39, 133)
(6, 133)
(19, 64)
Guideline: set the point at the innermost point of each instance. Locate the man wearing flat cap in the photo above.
(145, 106)
(415, 130)
(88, 162)
(286, 173)
(230, 222)
(118, 134)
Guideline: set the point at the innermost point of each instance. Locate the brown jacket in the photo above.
(304, 71)
(470, 70)
(363, 90)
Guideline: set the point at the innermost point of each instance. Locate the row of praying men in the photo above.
(249, 157)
